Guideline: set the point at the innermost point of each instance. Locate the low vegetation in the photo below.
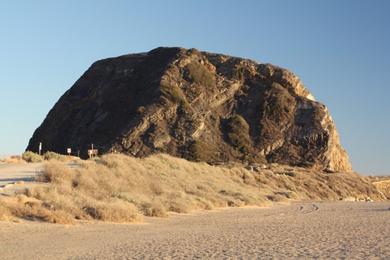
(55, 156)
(32, 157)
(200, 75)
(238, 133)
(173, 93)
(119, 188)
(201, 151)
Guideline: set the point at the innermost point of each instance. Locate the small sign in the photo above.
(69, 151)
(40, 148)
(93, 152)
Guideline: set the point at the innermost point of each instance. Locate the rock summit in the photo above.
(197, 105)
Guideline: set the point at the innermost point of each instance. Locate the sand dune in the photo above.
(304, 230)
(118, 188)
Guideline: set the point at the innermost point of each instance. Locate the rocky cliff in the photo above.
(197, 105)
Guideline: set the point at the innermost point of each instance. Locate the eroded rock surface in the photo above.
(197, 105)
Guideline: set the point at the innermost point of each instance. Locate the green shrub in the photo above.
(31, 157)
(238, 133)
(173, 93)
(199, 74)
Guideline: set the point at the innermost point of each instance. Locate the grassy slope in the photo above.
(123, 189)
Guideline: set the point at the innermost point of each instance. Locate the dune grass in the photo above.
(119, 188)
(32, 157)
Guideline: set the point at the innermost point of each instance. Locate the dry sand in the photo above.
(304, 230)
(21, 174)
(10, 173)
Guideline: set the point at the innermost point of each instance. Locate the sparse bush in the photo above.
(113, 211)
(287, 173)
(201, 75)
(31, 157)
(54, 156)
(173, 93)
(201, 151)
(119, 188)
(30, 208)
(276, 197)
(153, 210)
(238, 133)
(54, 172)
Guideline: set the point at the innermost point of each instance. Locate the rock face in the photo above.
(196, 105)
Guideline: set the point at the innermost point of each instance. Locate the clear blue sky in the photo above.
(340, 49)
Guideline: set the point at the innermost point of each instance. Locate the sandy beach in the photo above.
(20, 172)
(17, 176)
(304, 230)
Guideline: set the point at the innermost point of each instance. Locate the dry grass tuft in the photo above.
(56, 156)
(12, 159)
(31, 157)
(119, 188)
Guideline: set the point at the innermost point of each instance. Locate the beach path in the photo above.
(14, 176)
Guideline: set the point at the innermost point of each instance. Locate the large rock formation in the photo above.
(196, 105)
